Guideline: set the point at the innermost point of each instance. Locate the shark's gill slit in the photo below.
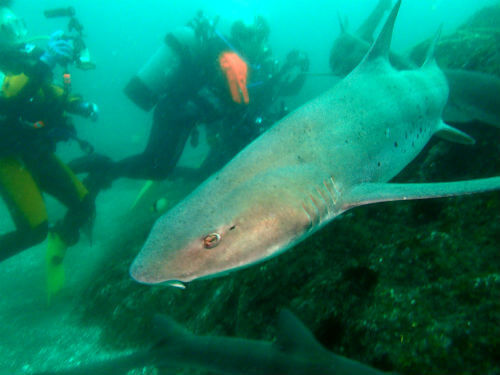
(317, 206)
(330, 191)
(309, 217)
(335, 191)
(311, 210)
(325, 199)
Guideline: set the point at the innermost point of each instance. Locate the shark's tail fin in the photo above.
(430, 58)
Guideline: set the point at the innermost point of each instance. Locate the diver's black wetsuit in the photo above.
(172, 125)
(197, 92)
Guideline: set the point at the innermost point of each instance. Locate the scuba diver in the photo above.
(198, 76)
(32, 120)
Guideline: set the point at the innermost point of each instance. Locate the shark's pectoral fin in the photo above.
(451, 134)
(369, 193)
(294, 337)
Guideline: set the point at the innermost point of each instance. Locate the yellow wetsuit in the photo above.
(32, 121)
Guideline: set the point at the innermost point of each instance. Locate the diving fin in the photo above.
(56, 249)
(146, 187)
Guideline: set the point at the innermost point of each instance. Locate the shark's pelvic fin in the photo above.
(452, 134)
(293, 335)
(369, 193)
(382, 45)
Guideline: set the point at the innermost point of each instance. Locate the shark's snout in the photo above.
(163, 265)
(139, 273)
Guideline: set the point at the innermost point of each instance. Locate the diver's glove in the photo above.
(89, 110)
(59, 50)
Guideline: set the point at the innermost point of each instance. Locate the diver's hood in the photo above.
(12, 28)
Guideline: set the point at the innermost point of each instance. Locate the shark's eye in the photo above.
(211, 240)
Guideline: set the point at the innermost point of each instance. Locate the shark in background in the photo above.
(334, 153)
(295, 352)
(473, 96)
(349, 48)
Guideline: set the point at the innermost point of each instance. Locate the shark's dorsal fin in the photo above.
(367, 28)
(430, 57)
(382, 45)
(293, 335)
(168, 329)
(451, 134)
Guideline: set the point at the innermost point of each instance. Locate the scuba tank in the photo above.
(151, 80)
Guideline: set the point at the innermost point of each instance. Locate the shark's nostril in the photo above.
(211, 240)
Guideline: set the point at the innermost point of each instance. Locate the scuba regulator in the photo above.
(81, 57)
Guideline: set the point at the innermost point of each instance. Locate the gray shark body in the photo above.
(336, 152)
(296, 352)
(473, 96)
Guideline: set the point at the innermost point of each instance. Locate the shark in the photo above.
(473, 96)
(295, 352)
(336, 152)
(349, 48)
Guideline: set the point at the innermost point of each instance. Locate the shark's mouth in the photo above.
(168, 283)
(174, 283)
